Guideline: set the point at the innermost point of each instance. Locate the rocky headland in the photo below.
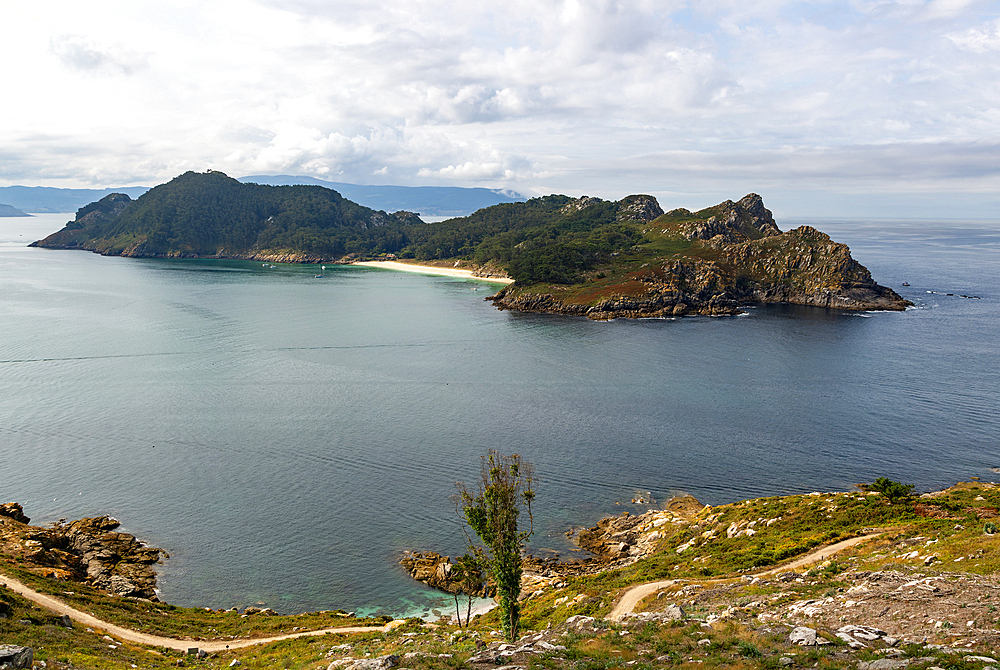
(88, 550)
(735, 256)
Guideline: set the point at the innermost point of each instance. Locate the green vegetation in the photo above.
(949, 526)
(210, 214)
(506, 484)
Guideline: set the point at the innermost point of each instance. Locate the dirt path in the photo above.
(129, 635)
(626, 604)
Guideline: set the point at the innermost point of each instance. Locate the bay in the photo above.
(286, 437)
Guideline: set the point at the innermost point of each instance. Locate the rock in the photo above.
(673, 613)
(883, 664)
(380, 663)
(851, 642)
(66, 621)
(13, 510)
(869, 633)
(803, 636)
(13, 656)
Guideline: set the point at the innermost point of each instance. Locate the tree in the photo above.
(892, 490)
(506, 485)
(467, 572)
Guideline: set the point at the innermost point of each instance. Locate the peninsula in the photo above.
(581, 256)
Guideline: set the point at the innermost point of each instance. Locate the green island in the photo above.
(873, 579)
(582, 256)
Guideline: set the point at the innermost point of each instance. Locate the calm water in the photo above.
(286, 437)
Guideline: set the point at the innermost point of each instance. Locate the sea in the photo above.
(285, 437)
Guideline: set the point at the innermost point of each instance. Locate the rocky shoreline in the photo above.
(88, 550)
(615, 542)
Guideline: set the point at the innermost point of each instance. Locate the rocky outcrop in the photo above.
(13, 510)
(580, 203)
(88, 550)
(639, 208)
(734, 222)
(615, 542)
(430, 568)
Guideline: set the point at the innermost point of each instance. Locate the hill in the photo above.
(8, 210)
(425, 200)
(212, 215)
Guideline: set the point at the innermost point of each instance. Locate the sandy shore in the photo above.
(431, 270)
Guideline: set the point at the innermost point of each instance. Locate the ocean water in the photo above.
(286, 437)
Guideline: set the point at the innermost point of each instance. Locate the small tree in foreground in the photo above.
(506, 485)
(468, 574)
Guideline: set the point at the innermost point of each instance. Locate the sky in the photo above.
(833, 108)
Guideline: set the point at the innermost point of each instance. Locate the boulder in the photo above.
(12, 656)
(803, 636)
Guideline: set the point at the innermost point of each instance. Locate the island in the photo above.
(579, 256)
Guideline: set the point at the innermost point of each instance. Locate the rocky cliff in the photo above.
(728, 256)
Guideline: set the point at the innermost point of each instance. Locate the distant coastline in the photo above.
(432, 270)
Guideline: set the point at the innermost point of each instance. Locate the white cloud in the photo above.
(80, 53)
(602, 96)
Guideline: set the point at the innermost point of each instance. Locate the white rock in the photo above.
(803, 636)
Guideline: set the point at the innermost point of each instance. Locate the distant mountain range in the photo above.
(47, 199)
(425, 200)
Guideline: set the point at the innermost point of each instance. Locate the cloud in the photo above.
(597, 96)
(79, 53)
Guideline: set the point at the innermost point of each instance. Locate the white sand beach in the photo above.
(430, 270)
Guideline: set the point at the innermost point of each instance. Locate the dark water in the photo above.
(286, 437)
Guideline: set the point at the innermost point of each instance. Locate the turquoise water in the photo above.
(286, 437)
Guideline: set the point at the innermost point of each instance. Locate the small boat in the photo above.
(317, 276)
(906, 283)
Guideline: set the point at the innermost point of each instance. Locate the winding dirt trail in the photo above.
(626, 604)
(126, 634)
